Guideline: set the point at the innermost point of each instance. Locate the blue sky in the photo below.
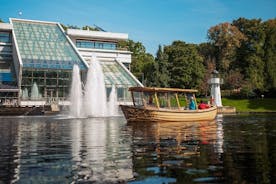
(151, 22)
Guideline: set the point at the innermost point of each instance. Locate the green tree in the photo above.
(226, 38)
(161, 73)
(270, 53)
(90, 28)
(250, 55)
(185, 65)
(148, 69)
(208, 52)
(142, 64)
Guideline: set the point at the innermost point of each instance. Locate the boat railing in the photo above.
(165, 98)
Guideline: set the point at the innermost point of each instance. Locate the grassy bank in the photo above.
(251, 105)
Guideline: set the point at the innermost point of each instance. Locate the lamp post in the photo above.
(215, 82)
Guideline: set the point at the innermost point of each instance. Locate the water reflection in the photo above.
(61, 151)
(231, 149)
(178, 151)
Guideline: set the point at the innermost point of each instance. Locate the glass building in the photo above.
(37, 58)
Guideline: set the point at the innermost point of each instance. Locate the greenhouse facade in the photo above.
(37, 58)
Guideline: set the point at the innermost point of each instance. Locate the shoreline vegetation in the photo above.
(256, 105)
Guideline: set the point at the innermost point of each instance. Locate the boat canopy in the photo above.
(162, 90)
(152, 97)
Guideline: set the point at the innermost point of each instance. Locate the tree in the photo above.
(208, 52)
(148, 69)
(90, 28)
(234, 80)
(185, 65)
(142, 63)
(161, 73)
(226, 38)
(270, 54)
(69, 27)
(250, 56)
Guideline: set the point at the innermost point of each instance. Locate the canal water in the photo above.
(230, 149)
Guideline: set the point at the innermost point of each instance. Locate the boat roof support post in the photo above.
(156, 99)
(177, 100)
(143, 100)
(187, 101)
(168, 100)
(132, 96)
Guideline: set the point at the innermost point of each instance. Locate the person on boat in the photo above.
(192, 105)
(203, 105)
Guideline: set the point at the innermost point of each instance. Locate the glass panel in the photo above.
(49, 83)
(5, 37)
(41, 45)
(96, 44)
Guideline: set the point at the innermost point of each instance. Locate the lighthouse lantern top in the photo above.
(215, 74)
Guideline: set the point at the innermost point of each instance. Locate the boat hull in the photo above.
(133, 113)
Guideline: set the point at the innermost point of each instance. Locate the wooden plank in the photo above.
(154, 89)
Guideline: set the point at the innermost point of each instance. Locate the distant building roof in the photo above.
(44, 45)
(5, 26)
(97, 34)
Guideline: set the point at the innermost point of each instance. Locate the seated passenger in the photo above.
(203, 105)
(192, 105)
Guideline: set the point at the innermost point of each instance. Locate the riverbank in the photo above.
(251, 105)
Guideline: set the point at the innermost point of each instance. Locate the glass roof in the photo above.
(44, 45)
(114, 74)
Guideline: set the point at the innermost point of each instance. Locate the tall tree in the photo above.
(208, 53)
(185, 65)
(142, 62)
(226, 38)
(270, 53)
(161, 73)
(250, 55)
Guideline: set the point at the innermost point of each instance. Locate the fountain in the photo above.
(76, 93)
(25, 94)
(34, 92)
(95, 104)
(113, 102)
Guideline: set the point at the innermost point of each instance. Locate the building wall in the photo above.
(38, 56)
(7, 71)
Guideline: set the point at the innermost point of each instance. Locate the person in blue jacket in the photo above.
(192, 105)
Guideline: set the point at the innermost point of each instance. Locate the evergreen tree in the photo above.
(250, 56)
(161, 73)
(270, 53)
(185, 65)
(226, 38)
(142, 64)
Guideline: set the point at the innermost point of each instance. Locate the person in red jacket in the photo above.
(203, 105)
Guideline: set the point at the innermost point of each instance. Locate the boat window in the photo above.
(137, 97)
(184, 103)
(144, 99)
(149, 99)
(173, 100)
(164, 100)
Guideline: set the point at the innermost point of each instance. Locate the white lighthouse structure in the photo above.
(215, 82)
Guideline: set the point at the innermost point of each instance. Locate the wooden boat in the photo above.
(164, 104)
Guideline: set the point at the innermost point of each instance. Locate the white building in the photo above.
(43, 53)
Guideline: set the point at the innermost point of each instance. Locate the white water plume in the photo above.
(76, 93)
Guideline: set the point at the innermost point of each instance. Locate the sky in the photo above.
(151, 22)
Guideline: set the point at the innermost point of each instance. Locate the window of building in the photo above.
(5, 37)
(96, 45)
